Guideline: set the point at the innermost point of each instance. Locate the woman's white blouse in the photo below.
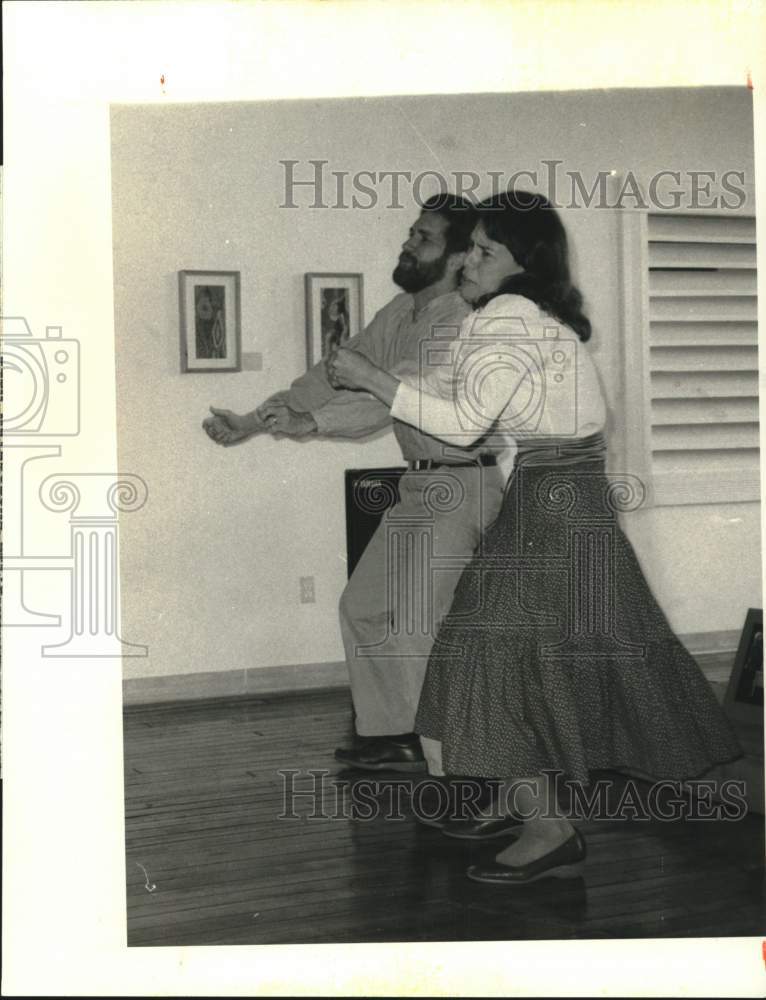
(512, 369)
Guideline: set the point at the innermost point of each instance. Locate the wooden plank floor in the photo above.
(203, 794)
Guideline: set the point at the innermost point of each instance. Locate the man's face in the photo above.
(423, 259)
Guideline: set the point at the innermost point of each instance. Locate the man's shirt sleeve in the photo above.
(345, 412)
(351, 414)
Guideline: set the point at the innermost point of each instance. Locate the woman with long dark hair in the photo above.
(555, 658)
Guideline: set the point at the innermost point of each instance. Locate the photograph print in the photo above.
(391, 569)
(314, 755)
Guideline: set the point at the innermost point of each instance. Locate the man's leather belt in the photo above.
(424, 464)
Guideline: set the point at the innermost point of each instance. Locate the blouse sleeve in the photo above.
(484, 381)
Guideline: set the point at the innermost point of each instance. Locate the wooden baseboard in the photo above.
(234, 683)
(711, 642)
(714, 651)
(716, 666)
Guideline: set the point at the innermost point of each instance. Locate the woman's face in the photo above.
(487, 265)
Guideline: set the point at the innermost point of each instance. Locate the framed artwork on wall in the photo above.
(211, 328)
(334, 311)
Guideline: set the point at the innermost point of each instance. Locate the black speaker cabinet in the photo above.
(369, 493)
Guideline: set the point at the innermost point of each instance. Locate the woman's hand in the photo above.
(350, 370)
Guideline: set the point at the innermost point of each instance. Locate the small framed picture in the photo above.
(334, 312)
(744, 694)
(211, 335)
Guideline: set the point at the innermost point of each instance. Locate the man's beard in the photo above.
(412, 276)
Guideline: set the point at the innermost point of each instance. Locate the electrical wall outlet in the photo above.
(307, 590)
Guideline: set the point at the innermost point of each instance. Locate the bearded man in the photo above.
(404, 582)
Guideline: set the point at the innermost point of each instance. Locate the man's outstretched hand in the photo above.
(227, 428)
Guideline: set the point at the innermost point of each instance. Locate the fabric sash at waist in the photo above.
(561, 451)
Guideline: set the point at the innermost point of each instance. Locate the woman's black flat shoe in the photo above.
(566, 861)
(481, 829)
(444, 802)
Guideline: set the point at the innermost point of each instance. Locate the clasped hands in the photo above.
(273, 417)
(347, 369)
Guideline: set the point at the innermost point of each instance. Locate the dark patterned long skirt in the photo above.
(555, 654)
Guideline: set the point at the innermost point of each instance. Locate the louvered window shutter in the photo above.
(694, 308)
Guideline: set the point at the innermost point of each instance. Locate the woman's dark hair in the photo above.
(530, 227)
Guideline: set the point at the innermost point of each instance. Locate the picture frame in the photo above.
(211, 325)
(743, 700)
(334, 312)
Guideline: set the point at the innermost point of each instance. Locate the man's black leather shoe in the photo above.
(386, 753)
(566, 861)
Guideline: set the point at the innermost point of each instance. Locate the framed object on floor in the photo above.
(211, 328)
(744, 695)
(334, 311)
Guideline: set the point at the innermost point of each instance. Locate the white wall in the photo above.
(210, 567)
